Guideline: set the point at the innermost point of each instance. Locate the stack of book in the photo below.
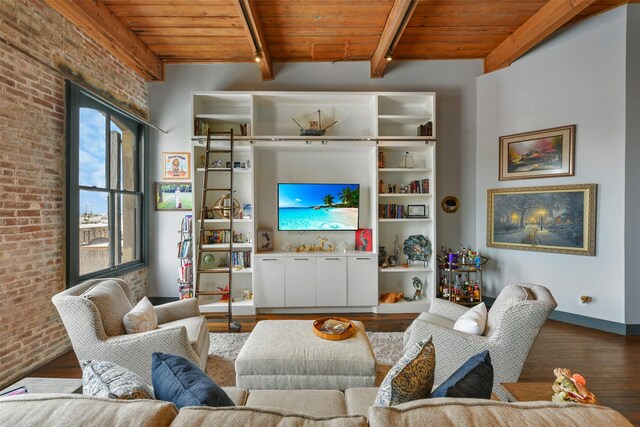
(184, 248)
(391, 210)
(419, 186)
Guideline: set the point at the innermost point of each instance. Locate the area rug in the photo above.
(224, 348)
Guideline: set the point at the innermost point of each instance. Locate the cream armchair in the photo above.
(513, 324)
(92, 314)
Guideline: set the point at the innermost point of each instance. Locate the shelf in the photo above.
(402, 119)
(419, 306)
(247, 270)
(241, 307)
(423, 170)
(404, 194)
(236, 246)
(235, 170)
(425, 219)
(226, 221)
(400, 269)
(226, 118)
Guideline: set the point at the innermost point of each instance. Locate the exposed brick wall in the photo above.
(38, 50)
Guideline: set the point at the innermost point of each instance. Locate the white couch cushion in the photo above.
(112, 304)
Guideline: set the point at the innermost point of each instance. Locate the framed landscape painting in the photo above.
(540, 154)
(174, 196)
(559, 219)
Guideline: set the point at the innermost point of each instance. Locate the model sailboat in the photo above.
(315, 126)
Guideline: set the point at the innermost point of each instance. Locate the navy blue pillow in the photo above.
(474, 379)
(178, 380)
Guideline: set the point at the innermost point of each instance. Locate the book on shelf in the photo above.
(391, 210)
(185, 292)
(185, 273)
(185, 248)
(186, 224)
(419, 186)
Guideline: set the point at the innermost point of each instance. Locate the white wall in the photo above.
(453, 81)
(577, 77)
(632, 196)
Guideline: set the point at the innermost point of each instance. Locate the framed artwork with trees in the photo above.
(559, 219)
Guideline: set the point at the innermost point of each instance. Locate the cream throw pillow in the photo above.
(141, 318)
(473, 321)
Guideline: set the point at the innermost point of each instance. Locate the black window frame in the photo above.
(78, 97)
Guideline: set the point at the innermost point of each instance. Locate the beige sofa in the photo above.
(327, 408)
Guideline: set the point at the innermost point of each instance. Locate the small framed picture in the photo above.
(265, 240)
(173, 196)
(176, 166)
(364, 240)
(416, 211)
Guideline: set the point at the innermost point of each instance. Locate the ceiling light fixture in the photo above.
(389, 56)
(257, 57)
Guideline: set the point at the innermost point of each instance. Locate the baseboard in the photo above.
(162, 300)
(587, 322)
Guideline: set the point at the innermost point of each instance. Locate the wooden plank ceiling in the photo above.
(204, 31)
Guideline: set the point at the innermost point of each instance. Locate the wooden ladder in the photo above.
(204, 212)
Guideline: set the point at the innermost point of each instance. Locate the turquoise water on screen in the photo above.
(318, 219)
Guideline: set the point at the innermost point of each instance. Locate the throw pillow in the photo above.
(106, 379)
(178, 380)
(473, 321)
(474, 379)
(112, 304)
(141, 318)
(411, 378)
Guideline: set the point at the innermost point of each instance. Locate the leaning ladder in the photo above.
(204, 248)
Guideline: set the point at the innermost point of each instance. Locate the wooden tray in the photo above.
(317, 324)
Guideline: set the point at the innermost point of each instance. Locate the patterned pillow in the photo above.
(106, 379)
(141, 318)
(474, 379)
(411, 378)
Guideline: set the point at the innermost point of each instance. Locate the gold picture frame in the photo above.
(558, 219)
(540, 154)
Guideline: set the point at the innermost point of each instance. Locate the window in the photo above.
(106, 209)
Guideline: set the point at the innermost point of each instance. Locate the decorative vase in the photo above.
(382, 256)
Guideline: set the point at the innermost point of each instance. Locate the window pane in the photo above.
(129, 232)
(92, 148)
(94, 231)
(123, 162)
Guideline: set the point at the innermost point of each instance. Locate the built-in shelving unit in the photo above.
(268, 141)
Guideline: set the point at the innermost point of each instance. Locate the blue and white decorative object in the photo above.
(418, 248)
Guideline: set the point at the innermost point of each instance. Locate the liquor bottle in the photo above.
(476, 291)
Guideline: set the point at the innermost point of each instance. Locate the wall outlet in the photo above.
(585, 299)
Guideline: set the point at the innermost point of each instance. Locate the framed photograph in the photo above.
(265, 240)
(540, 154)
(176, 166)
(364, 240)
(416, 211)
(173, 196)
(559, 219)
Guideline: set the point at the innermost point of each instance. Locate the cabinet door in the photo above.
(268, 282)
(300, 282)
(331, 281)
(362, 280)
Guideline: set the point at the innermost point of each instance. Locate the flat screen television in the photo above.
(316, 207)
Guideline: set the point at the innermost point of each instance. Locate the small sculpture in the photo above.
(391, 297)
(417, 284)
(572, 388)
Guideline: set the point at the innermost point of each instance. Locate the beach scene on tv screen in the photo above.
(318, 206)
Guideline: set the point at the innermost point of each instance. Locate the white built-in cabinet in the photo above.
(368, 124)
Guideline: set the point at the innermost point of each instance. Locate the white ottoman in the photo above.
(286, 354)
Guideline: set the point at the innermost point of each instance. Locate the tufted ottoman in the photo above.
(286, 354)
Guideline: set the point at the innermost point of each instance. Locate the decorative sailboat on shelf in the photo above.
(315, 126)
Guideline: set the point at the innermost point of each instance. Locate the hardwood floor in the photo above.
(609, 362)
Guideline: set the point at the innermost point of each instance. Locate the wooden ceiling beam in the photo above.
(99, 23)
(543, 23)
(251, 23)
(397, 20)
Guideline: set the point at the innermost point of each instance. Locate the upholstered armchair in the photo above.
(513, 324)
(92, 314)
